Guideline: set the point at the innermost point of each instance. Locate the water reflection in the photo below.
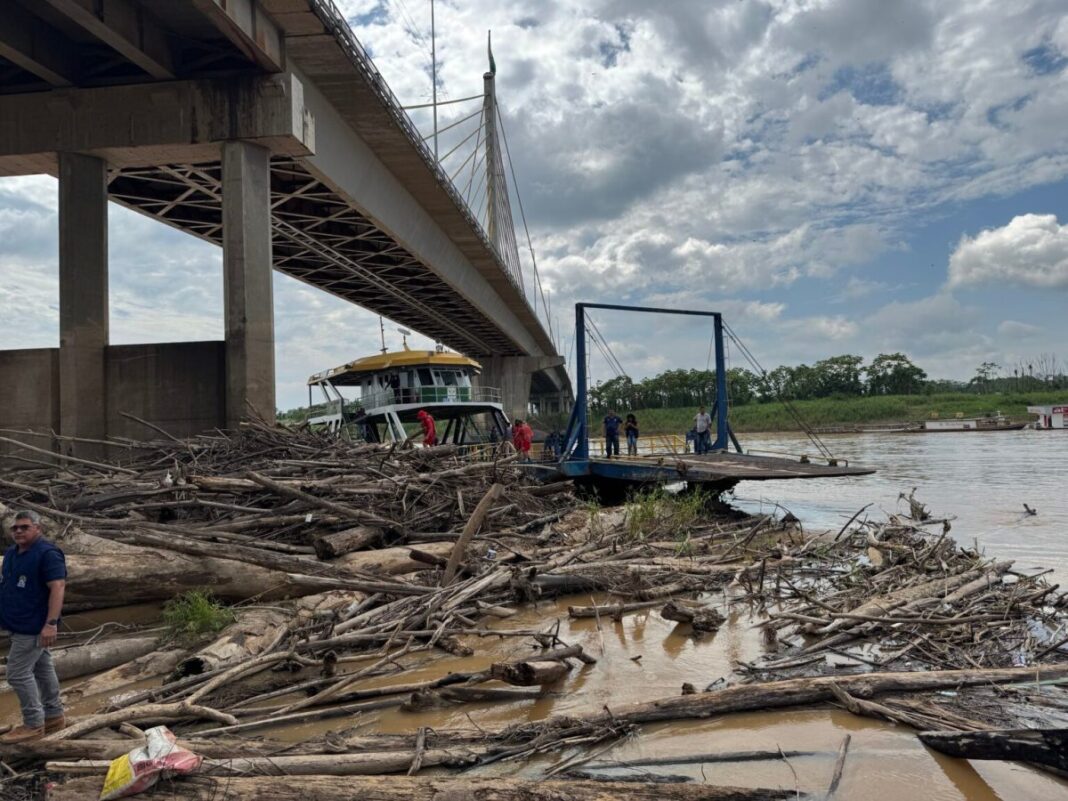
(981, 479)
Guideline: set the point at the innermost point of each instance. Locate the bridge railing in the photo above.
(335, 22)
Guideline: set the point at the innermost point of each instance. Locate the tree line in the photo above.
(845, 376)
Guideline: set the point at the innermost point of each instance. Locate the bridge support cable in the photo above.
(440, 103)
(453, 124)
(813, 437)
(499, 216)
(526, 228)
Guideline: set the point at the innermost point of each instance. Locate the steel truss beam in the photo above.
(321, 240)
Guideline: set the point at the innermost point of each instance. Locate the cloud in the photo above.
(1013, 329)
(1031, 251)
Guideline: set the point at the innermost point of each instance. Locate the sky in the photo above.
(836, 176)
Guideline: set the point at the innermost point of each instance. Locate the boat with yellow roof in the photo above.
(374, 397)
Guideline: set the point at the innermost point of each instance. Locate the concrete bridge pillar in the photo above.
(515, 375)
(247, 288)
(511, 375)
(83, 296)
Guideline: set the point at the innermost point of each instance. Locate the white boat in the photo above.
(987, 423)
(371, 399)
(1050, 417)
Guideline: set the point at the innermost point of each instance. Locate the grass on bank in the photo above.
(194, 614)
(826, 412)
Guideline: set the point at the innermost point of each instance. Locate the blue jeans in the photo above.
(611, 442)
(32, 676)
(632, 443)
(702, 442)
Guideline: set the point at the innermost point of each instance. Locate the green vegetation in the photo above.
(865, 410)
(845, 376)
(657, 513)
(194, 614)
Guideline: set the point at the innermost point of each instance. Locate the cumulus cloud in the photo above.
(1014, 329)
(1032, 251)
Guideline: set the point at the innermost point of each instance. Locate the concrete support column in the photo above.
(511, 375)
(83, 296)
(247, 290)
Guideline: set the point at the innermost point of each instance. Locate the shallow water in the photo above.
(885, 762)
(981, 480)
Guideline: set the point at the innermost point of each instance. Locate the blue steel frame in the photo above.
(577, 446)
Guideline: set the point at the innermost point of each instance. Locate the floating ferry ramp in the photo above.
(718, 470)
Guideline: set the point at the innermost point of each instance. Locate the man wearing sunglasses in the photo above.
(32, 582)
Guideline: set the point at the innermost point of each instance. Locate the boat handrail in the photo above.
(407, 395)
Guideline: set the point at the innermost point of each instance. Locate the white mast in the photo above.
(434, 75)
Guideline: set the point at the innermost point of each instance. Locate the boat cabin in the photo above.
(378, 398)
(1050, 417)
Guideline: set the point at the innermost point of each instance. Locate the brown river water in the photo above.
(982, 480)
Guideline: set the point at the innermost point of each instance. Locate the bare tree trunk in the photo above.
(396, 788)
(251, 634)
(81, 660)
(331, 546)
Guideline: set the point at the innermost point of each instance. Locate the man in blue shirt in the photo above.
(32, 582)
(611, 433)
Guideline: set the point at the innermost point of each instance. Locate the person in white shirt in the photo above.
(702, 424)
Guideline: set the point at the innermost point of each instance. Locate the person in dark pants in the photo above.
(32, 583)
(630, 428)
(702, 425)
(612, 423)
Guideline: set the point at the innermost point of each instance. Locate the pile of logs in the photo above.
(890, 595)
(350, 563)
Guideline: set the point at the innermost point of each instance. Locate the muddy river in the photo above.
(983, 480)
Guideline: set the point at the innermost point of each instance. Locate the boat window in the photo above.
(425, 379)
(448, 378)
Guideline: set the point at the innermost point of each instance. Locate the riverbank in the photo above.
(844, 412)
(427, 611)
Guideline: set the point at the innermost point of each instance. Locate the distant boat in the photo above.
(988, 423)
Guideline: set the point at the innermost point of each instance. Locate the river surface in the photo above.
(981, 481)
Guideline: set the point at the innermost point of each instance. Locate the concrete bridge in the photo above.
(264, 127)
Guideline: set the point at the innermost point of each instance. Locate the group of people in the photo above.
(700, 434)
(612, 425)
(521, 434)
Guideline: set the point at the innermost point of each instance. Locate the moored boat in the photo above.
(985, 424)
(373, 398)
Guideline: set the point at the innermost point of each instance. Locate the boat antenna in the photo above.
(405, 333)
(382, 331)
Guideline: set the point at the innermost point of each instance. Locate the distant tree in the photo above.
(839, 375)
(894, 374)
(742, 386)
(984, 375)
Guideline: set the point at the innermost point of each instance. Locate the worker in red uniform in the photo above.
(522, 437)
(430, 434)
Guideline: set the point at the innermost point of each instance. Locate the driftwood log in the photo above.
(800, 692)
(701, 619)
(81, 660)
(251, 634)
(394, 788)
(1043, 746)
(338, 543)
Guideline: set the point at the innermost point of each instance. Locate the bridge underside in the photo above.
(261, 126)
(317, 237)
